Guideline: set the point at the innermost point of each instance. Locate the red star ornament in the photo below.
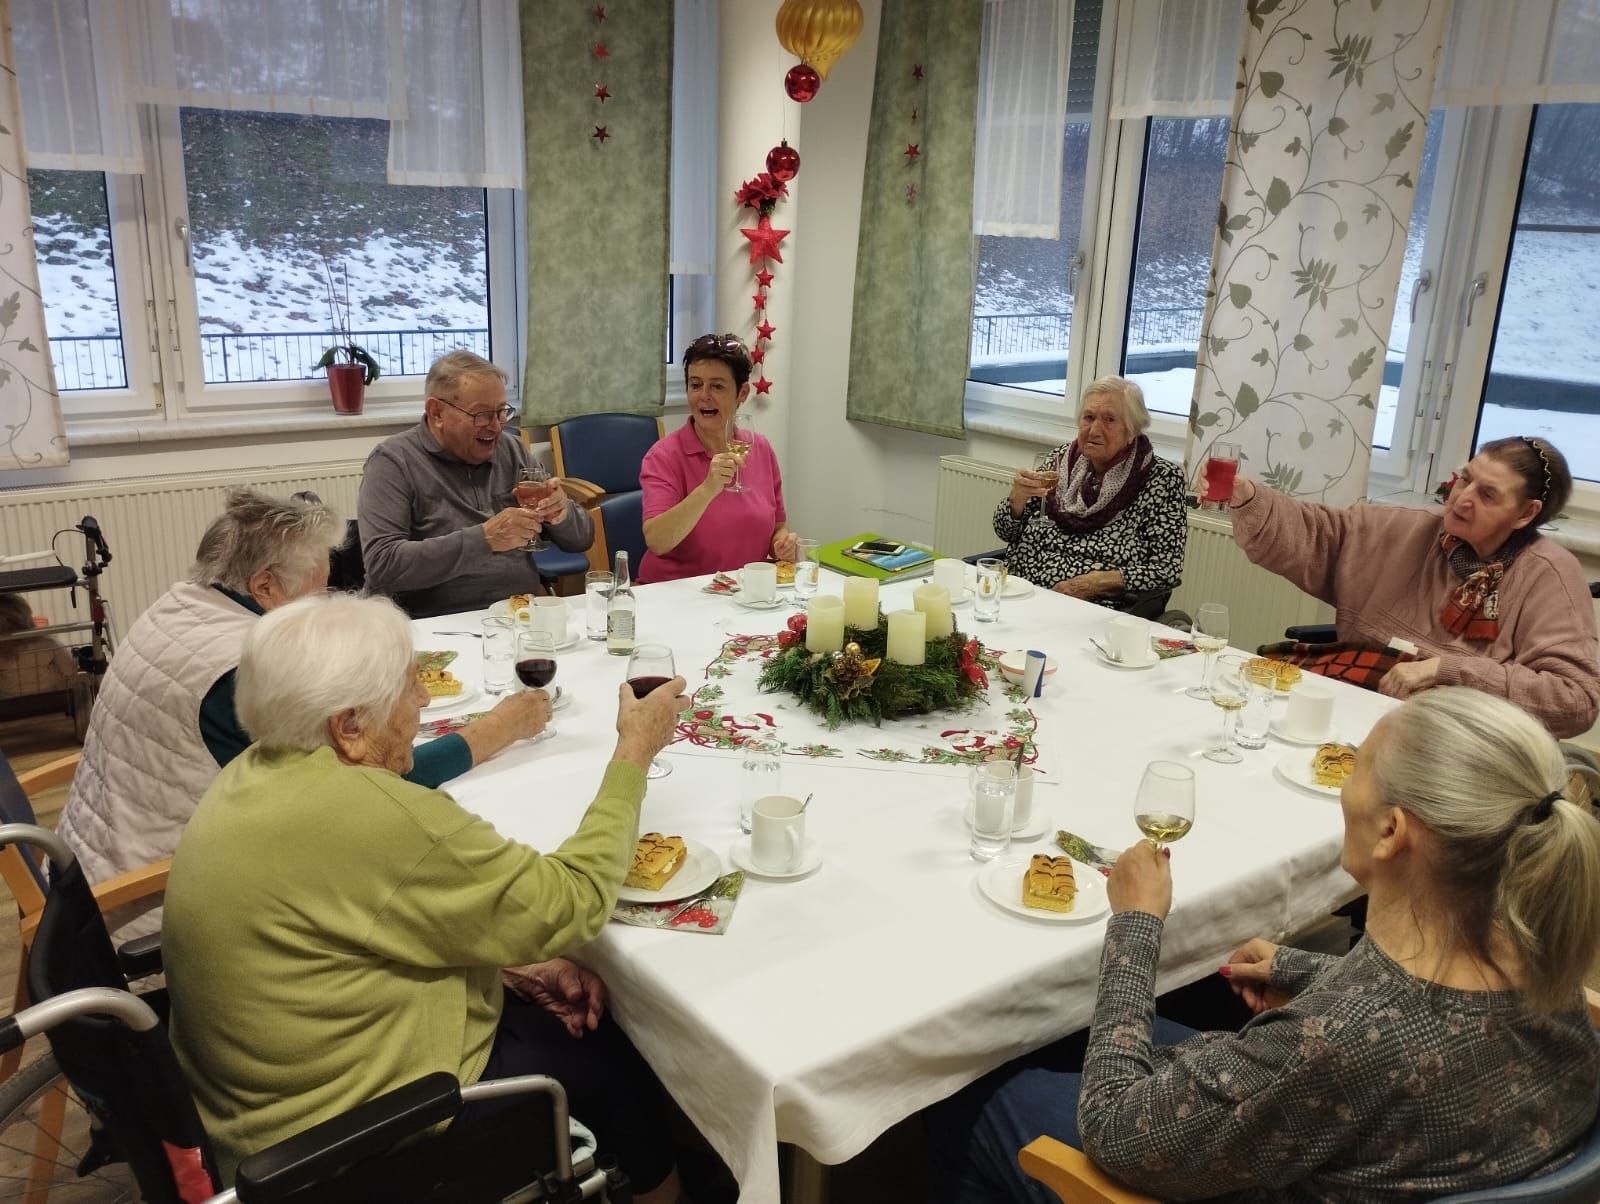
(912, 151)
(916, 72)
(759, 300)
(600, 51)
(764, 278)
(601, 133)
(600, 12)
(764, 331)
(602, 93)
(757, 354)
(911, 194)
(764, 239)
(763, 385)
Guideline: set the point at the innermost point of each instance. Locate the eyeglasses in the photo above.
(719, 342)
(482, 418)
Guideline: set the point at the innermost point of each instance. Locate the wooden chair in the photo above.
(1072, 1176)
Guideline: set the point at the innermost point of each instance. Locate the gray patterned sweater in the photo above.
(1370, 1085)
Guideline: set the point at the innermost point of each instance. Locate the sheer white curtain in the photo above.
(694, 138)
(1527, 52)
(463, 95)
(75, 84)
(1022, 114)
(1176, 58)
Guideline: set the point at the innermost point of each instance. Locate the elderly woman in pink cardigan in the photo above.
(1488, 602)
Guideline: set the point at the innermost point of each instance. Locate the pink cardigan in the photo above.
(1382, 570)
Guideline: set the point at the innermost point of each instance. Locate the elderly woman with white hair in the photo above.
(1448, 1052)
(164, 722)
(334, 931)
(1101, 518)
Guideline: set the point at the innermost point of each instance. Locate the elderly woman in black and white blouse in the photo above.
(1102, 517)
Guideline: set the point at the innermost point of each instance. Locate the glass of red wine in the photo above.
(1222, 466)
(536, 662)
(532, 487)
(649, 668)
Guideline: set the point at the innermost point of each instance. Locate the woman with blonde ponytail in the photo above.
(1449, 1051)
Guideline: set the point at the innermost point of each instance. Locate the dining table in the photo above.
(835, 1004)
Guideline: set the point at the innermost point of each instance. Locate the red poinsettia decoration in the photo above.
(971, 667)
(794, 633)
(761, 192)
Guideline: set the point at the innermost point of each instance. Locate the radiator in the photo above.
(1260, 604)
(153, 525)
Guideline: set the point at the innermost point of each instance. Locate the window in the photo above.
(77, 274)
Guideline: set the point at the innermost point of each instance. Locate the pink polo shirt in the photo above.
(735, 529)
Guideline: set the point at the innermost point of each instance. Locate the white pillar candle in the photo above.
(861, 603)
(908, 636)
(825, 624)
(934, 601)
(952, 574)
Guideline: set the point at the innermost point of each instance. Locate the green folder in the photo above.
(832, 555)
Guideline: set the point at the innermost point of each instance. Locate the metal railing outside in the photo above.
(1011, 334)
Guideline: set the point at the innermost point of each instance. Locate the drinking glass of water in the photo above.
(1260, 680)
(994, 801)
(760, 775)
(596, 596)
(499, 654)
(991, 581)
(806, 569)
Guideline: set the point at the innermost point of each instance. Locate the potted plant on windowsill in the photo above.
(349, 365)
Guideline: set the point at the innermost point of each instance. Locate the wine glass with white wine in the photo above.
(1044, 467)
(1164, 806)
(1230, 690)
(739, 449)
(1210, 636)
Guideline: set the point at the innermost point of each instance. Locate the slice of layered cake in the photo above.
(655, 859)
(1048, 884)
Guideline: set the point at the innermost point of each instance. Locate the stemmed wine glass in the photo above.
(1230, 691)
(1164, 805)
(532, 487)
(650, 667)
(1210, 635)
(536, 661)
(1048, 473)
(738, 448)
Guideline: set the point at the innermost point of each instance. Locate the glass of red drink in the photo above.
(649, 668)
(1221, 468)
(532, 487)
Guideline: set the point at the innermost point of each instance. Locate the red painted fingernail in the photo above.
(1225, 971)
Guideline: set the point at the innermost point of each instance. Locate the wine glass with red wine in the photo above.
(536, 661)
(649, 668)
(532, 487)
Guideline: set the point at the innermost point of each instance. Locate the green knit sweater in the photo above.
(333, 932)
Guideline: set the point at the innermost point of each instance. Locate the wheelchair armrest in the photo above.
(367, 1130)
(1312, 633)
(1070, 1174)
(997, 554)
(140, 957)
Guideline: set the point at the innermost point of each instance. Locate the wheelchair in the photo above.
(109, 1057)
(90, 659)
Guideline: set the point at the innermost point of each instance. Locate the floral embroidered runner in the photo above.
(729, 709)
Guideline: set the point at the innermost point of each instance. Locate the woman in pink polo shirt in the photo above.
(693, 523)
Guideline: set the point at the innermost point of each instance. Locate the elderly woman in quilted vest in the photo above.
(164, 722)
(1487, 601)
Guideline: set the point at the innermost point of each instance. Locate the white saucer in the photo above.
(701, 867)
(1295, 769)
(1016, 587)
(961, 599)
(1001, 883)
(450, 701)
(810, 859)
(1106, 660)
(770, 604)
(1038, 824)
(1280, 732)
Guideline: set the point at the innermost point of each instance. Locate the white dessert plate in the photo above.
(742, 856)
(961, 599)
(1016, 587)
(1038, 823)
(1295, 768)
(701, 867)
(450, 701)
(1001, 883)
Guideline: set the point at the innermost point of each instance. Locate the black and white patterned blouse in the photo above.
(1370, 1085)
(1146, 541)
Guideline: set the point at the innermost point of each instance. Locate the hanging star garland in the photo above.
(763, 386)
(600, 53)
(602, 93)
(764, 239)
(601, 133)
(762, 193)
(913, 151)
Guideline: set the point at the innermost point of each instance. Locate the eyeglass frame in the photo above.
(482, 419)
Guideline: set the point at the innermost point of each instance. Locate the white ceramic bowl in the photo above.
(1012, 665)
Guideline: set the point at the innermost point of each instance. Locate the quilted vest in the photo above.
(144, 764)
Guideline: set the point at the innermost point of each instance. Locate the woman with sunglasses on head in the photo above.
(1486, 600)
(697, 519)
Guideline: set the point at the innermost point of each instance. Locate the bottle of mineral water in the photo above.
(620, 611)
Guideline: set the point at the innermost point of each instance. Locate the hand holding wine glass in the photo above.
(1163, 807)
(534, 486)
(739, 449)
(1046, 470)
(650, 667)
(536, 663)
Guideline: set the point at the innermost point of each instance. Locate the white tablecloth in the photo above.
(838, 1004)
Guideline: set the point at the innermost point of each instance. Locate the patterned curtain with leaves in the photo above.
(30, 408)
(913, 297)
(597, 89)
(1328, 125)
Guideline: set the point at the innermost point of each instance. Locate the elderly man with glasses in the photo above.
(440, 530)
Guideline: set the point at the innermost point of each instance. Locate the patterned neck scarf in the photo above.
(1473, 608)
(1085, 502)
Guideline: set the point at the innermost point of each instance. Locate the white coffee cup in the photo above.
(952, 574)
(1309, 715)
(777, 833)
(1022, 809)
(759, 580)
(1128, 637)
(549, 615)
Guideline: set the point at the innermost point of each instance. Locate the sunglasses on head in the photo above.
(719, 342)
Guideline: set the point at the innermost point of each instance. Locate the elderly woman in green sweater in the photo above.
(334, 931)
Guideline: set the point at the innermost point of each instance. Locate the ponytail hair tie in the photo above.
(1544, 808)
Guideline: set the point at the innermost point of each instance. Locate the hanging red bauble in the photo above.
(783, 161)
(802, 82)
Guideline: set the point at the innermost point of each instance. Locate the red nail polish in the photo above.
(1225, 971)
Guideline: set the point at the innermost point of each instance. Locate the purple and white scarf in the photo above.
(1083, 501)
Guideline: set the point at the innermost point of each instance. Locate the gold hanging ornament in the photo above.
(819, 31)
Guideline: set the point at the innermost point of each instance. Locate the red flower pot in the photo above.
(347, 383)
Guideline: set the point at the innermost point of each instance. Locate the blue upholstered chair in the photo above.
(604, 450)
